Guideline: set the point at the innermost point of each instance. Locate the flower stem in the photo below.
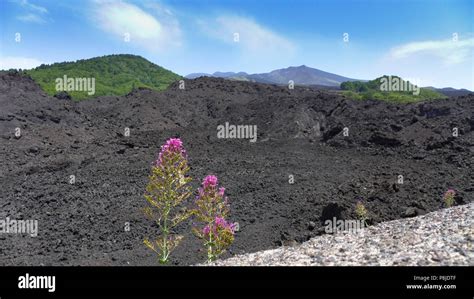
(210, 255)
(165, 251)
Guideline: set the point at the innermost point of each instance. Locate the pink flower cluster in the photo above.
(172, 145)
(212, 208)
(450, 192)
(219, 224)
(221, 191)
(210, 183)
(222, 223)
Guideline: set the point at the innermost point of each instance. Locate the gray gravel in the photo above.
(444, 237)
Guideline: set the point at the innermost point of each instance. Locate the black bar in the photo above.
(191, 282)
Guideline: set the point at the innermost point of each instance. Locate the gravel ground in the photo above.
(441, 238)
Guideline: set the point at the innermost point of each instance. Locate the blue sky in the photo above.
(429, 42)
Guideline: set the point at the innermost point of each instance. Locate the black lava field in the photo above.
(338, 151)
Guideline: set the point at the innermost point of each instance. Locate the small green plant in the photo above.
(449, 197)
(211, 209)
(361, 211)
(167, 189)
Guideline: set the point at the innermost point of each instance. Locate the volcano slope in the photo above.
(83, 221)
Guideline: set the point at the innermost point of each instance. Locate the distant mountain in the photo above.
(113, 75)
(231, 75)
(450, 92)
(197, 75)
(300, 75)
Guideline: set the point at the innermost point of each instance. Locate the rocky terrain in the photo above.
(72, 168)
(441, 238)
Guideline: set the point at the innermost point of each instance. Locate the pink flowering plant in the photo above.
(211, 210)
(166, 191)
(449, 197)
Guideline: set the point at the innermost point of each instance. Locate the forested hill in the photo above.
(113, 75)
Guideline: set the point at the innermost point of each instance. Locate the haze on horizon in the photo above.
(430, 41)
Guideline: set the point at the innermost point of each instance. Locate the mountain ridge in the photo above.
(300, 75)
(329, 80)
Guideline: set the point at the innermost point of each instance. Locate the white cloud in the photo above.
(33, 7)
(449, 51)
(253, 37)
(34, 13)
(31, 18)
(119, 18)
(12, 62)
(439, 63)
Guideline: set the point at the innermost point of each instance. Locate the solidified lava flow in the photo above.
(316, 154)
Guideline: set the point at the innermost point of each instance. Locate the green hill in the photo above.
(112, 75)
(389, 88)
